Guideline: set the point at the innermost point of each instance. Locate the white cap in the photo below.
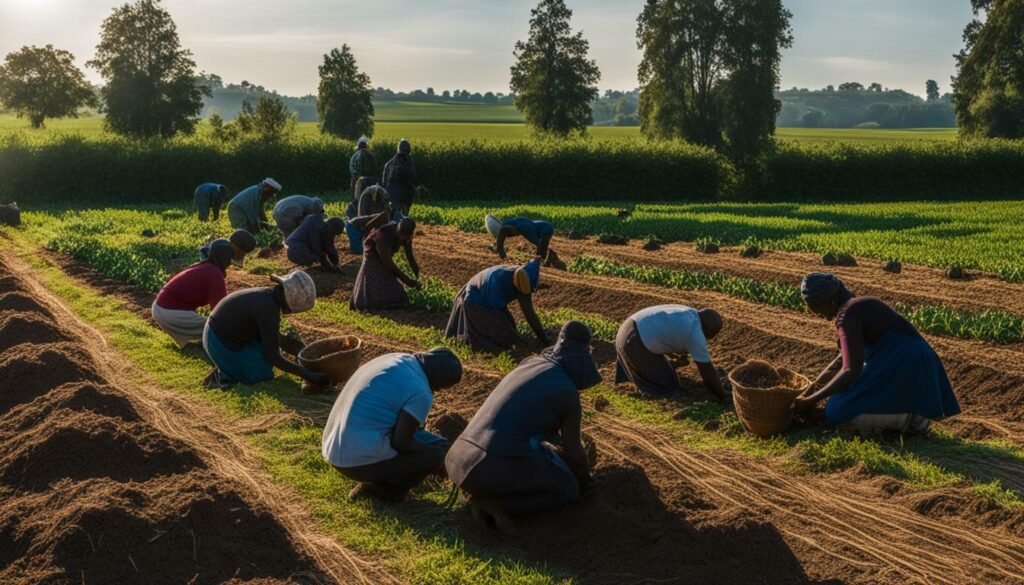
(299, 290)
(272, 183)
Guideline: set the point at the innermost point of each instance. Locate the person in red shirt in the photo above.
(199, 285)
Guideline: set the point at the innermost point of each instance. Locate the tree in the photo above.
(875, 87)
(931, 88)
(988, 90)
(269, 120)
(43, 82)
(709, 69)
(152, 86)
(851, 86)
(346, 96)
(552, 78)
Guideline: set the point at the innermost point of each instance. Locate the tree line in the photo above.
(709, 75)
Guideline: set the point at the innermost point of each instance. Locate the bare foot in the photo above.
(489, 514)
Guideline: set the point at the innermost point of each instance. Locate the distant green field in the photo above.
(425, 122)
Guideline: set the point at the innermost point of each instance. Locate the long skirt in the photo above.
(902, 374)
(183, 326)
(246, 366)
(376, 288)
(483, 328)
(535, 483)
(650, 372)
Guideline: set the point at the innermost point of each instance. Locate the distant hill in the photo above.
(850, 108)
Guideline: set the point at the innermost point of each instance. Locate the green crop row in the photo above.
(105, 169)
(975, 235)
(989, 325)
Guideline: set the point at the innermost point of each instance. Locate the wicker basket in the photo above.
(338, 357)
(766, 411)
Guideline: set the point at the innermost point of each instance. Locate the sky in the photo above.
(467, 44)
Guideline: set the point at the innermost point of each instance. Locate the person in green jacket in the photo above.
(246, 210)
(363, 163)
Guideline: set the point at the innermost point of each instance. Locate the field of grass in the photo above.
(426, 122)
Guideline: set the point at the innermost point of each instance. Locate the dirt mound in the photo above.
(81, 445)
(178, 529)
(27, 328)
(964, 503)
(71, 397)
(27, 371)
(8, 284)
(19, 302)
(447, 424)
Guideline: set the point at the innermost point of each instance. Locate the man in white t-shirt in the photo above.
(374, 433)
(650, 335)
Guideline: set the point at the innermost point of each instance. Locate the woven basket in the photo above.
(766, 411)
(338, 357)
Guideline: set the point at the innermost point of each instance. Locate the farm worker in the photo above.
(289, 212)
(246, 210)
(648, 336)
(200, 285)
(371, 200)
(374, 433)
(363, 163)
(242, 335)
(886, 376)
(480, 315)
(538, 233)
(242, 243)
(508, 459)
(400, 178)
(379, 282)
(209, 197)
(313, 242)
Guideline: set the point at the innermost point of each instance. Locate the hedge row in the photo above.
(66, 169)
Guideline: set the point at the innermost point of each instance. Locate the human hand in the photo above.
(803, 404)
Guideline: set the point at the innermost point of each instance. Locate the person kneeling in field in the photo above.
(886, 376)
(538, 233)
(508, 459)
(313, 242)
(290, 211)
(199, 285)
(480, 315)
(648, 338)
(374, 434)
(246, 210)
(242, 336)
(379, 282)
(209, 197)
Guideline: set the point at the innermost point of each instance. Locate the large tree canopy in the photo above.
(709, 70)
(152, 86)
(552, 79)
(346, 96)
(43, 82)
(988, 90)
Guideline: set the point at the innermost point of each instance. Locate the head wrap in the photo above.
(336, 226)
(819, 287)
(299, 290)
(404, 147)
(377, 193)
(244, 241)
(363, 141)
(493, 225)
(221, 253)
(442, 367)
(572, 352)
(268, 182)
(532, 270)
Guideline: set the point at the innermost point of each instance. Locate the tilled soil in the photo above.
(93, 489)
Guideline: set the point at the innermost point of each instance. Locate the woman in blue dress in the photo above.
(886, 376)
(538, 233)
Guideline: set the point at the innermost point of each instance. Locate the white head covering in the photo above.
(299, 290)
(272, 183)
(362, 140)
(492, 224)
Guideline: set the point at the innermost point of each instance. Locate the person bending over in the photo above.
(242, 335)
(647, 339)
(522, 452)
(886, 376)
(374, 433)
(289, 212)
(313, 241)
(247, 209)
(538, 233)
(480, 315)
(379, 282)
(209, 197)
(200, 285)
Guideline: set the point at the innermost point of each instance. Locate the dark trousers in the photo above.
(522, 485)
(400, 473)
